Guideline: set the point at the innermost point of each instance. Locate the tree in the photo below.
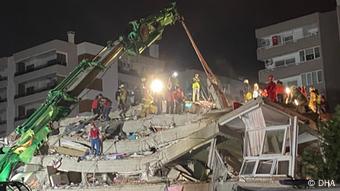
(324, 163)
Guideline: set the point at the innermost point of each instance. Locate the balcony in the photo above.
(290, 70)
(27, 93)
(32, 69)
(282, 48)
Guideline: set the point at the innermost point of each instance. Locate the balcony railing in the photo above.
(282, 42)
(35, 91)
(49, 63)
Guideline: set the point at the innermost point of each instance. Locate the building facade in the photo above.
(302, 52)
(27, 76)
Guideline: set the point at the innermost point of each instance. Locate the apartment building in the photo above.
(302, 52)
(27, 76)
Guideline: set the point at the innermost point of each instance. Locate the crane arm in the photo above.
(60, 100)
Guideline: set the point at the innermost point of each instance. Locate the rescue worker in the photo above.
(169, 101)
(256, 91)
(121, 97)
(178, 100)
(95, 105)
(312, 100)
(196, 85)
(271, 88)
(280, 91)
(94, 138)
(246, 91)
(147, 106)
(106, 109)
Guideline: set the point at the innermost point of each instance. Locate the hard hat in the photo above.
(121, 86)
(246, 81)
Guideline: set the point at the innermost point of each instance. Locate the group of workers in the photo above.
(101, 106)
(276, 92)
(170, 101)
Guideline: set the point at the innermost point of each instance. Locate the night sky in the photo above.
(223, 29)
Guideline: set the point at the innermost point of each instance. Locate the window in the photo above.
(319, 74)
(30, 67)
(312, 78)
(288, 38)
(290, 61)
(248, 167)
(302, 55)
(279, 63)
(273, 142)
(61, 59)
(264, 167)
(317, 52)
(309, 54)
(21, 111)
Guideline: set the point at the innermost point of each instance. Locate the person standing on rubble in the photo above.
(196, 85)
(178, 100)
(246, 91)
(94, 138)
(95, 105)
(121, 97)
(271, 88)
(280, 91)
(106, 109)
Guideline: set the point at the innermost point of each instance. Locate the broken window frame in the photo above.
(289, 135)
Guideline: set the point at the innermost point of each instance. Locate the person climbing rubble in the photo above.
(94, 138)
(271, 88)
(196, 85)
(121, 97)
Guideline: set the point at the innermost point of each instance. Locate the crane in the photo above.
(60, 100)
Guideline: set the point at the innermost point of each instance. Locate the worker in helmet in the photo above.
(121, 97)
(196, 85)
(313, 95)
(246, 91)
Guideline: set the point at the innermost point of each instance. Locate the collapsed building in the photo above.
(255, 145)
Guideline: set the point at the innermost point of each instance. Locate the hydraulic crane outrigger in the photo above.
(34, 131)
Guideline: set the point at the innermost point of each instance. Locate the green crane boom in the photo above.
(60, 100)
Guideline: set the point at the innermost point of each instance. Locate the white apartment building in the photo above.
(302, 52)
(27, 76)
